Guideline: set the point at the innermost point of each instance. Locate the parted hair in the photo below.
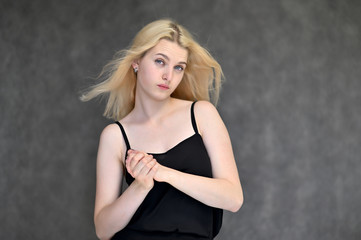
(201, 81)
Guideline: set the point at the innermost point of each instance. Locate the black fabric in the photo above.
(124, 135)
(194, 124)
(167, 213)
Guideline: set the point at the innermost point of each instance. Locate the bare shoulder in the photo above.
(205, 111)
(207, 116)
(111, 132)
(201, 108)
(205, 108)
(111, 140)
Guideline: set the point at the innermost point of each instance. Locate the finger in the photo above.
(134, 158)
(145, 169)
(153, 170)
(147, 158)
(150, 165)
(138, 168)
(131, 151)
(129, 164)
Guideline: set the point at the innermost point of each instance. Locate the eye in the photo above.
(159, 61)
(179, 68)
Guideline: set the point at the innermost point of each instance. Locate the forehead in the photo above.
(171, 49)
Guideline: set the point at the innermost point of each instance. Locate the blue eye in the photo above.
(159, 61)
(179, 68)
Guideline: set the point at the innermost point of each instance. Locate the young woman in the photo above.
(168, 142)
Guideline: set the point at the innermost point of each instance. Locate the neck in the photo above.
(147, 110)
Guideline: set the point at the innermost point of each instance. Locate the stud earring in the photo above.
(135, 70)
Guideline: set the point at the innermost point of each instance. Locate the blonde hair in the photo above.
(201, 81)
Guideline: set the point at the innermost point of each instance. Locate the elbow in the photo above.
(237, 203)
(101, 232)
(105, 231)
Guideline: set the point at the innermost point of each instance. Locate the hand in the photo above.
(142, 167)
(162, 173)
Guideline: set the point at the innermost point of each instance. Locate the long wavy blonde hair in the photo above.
(201, 81)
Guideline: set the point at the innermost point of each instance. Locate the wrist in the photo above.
(163, 174)
(141, 187)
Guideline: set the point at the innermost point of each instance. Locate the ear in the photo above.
(135, 64)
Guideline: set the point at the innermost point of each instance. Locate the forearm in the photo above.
(117, 215)
(219, 193)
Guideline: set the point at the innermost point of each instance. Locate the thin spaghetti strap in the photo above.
(194, 124)
(124, 135)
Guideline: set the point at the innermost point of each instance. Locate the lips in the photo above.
(163, 86)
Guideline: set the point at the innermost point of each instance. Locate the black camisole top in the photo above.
(167, 213)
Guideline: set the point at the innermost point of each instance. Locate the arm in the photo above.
(112, 213)
(224, 189)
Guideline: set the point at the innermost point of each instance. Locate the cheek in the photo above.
(144, 69)
(181, 76)
(146, 73)
(178, 79)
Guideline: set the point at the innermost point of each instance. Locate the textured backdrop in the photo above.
(291, 103)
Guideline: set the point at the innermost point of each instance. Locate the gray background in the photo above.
(291, 103)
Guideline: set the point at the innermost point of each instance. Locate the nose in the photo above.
(167, 75)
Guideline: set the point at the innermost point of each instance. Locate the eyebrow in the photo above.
(167, 58)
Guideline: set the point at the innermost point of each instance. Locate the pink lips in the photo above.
(163, 86)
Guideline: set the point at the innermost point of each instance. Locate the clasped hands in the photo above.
(144, 168)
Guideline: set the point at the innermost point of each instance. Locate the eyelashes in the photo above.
(179, 68)
(159, 61)
(162, 62)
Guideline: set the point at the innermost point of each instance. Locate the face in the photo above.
(161, 70)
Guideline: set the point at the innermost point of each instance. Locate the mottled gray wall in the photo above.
(291, 103)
